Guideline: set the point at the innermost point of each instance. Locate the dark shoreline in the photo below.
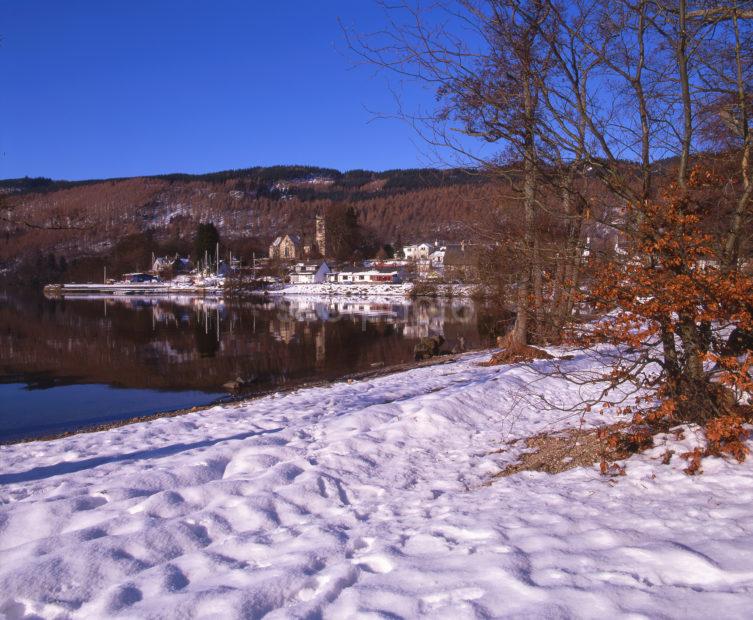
(358, 376)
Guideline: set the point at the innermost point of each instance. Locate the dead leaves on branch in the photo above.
(669, 301)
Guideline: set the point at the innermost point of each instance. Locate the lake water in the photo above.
(67, 364)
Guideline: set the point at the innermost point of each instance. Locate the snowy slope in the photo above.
(369, 499)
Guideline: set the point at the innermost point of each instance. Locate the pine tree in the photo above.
(205, 241)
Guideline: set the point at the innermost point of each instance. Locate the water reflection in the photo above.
(182, 344)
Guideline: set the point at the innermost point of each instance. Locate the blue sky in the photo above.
(110, 88)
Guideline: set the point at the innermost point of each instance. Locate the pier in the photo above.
(127, 288)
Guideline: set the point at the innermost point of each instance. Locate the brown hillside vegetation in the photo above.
(90, 219)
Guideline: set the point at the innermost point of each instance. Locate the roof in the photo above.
(385, 270)
(418, 245)
(366, 271)
(310, 266)
(294, 238)
(172, 259)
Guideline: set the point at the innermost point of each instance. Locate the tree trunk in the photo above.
(687, 111)
(518, 337)
(732, 243)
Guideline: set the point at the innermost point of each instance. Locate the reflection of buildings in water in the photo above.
(415, 331)
(322, 312)
(424, 319)
(283, 330)
(307, 310)
(428, 319)
(419, 319)
(206, 303)
(264, 339)
(164, 350)
(163, 315)
(142, 301)
(168, 310)
(369, 309)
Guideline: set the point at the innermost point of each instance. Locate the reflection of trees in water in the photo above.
(206, 339)
(194, 344)
(492, 322)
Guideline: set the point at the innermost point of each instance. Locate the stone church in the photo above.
(291, 247)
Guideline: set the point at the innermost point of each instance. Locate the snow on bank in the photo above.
(350, 290)
(371, 290)
(369, 499)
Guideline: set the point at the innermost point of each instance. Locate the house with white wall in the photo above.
(353, 275)
(418, 251)
(310, 272)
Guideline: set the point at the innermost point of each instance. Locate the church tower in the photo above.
(321, 234)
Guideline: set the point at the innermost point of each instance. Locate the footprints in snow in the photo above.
(380, 564)
(331, 487)
(124, 596)
(331, 580)
(441, 599)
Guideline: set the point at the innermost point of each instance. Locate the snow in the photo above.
(370, 290)
(354, 290)
(371, 499)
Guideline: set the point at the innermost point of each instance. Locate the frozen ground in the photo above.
(369, 290)
(354, 290)
(372, 499)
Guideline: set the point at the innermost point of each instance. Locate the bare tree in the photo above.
(485, 61)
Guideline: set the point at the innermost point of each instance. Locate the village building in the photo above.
(286, 247)
(293, 247)
(394, 264)
(140, 278)
(436, 258)
(310, 272)
(419, 251)
(354, 275)
(174, 264)
(225, 268)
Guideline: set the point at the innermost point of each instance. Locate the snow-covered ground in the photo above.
(355, 290)
(368, 499)
(370, 290)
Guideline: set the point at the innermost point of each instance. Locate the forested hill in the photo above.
(75, 219)
(305, 182)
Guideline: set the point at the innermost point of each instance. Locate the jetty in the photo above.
(132, 288)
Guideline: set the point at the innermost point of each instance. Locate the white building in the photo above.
(436, 258)
(417, 252)
(367, 276)
(312, 272)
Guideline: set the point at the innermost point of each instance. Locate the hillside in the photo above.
(250, 207)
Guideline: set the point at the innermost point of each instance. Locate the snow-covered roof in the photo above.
(294, 238)
(310, 266)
